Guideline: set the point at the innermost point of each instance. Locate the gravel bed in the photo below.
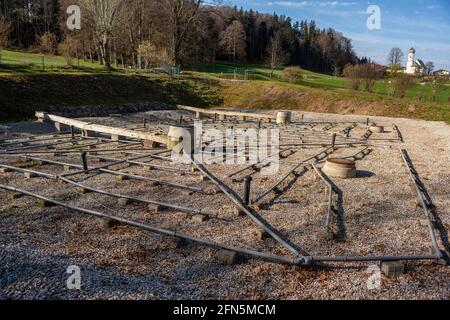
(379, 212)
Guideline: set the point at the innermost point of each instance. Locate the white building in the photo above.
(441, 72)
(415, 67)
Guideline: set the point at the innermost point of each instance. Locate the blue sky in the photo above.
(422, 24)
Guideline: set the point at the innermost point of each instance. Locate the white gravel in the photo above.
(380, 214)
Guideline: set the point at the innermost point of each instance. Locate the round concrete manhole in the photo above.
(340, 168)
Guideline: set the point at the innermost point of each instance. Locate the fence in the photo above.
(231, 72)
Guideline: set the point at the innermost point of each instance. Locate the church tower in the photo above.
(410, 67)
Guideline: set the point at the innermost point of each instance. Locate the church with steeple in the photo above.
(415, 67)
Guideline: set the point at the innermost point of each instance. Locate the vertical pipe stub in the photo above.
(333, 140)
(284, 117)
(84, 161)
(247, 189)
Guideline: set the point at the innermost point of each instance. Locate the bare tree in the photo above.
(180, 16)
(337, 70)
(370, 73)
(102, 18)
(4, 34)
(353, 74)
(69, 49)
(366, 74)
(395, 57)
(276, 55)
(429, 67)
(232, 40)
(152, 56)
(48, 43)
(436, 85)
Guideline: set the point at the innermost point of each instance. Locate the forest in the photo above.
(145, 33)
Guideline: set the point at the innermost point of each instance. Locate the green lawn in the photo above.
(35, 61)
(24, 62)
(24, 87)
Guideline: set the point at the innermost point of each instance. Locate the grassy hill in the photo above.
(278, 95)
(25, 88)
(318, 80)
(17, 61)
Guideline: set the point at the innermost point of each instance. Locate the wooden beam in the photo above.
(228, 113)
(85, 126)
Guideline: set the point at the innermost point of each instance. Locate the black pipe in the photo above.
(333, 140)
(247, 189)
(72, 132)
(84, 160)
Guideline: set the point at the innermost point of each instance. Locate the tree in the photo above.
(395, 57)
(353, 74)
(429, 67)
(436, 85)
(365, 73)
(400, 82)
(180, 16)
(337, 70)
(232, 40)
(48, 43)
(4, 34)
(102, 16)
(189, 30)
(69, 49)
(276, 55)
(370, 73)
(153, 56)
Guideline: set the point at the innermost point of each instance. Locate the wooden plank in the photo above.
(228, 113)
(85, 126)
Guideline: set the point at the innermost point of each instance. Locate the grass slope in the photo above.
(279, 95)
(22, 95)
(25, 88)
(320, 81)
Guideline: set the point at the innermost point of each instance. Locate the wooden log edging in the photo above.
(228, 113)
(85, 126)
